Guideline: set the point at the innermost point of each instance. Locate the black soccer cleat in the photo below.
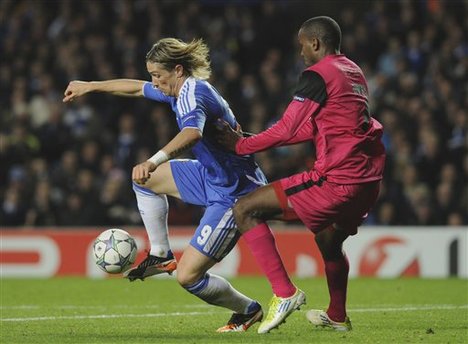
(152, 265)
(242, 322)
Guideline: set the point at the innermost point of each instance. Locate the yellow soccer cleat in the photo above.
(280, 309)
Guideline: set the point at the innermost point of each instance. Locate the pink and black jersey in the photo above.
(330, 108)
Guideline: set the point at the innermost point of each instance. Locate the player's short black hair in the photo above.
(325, 29)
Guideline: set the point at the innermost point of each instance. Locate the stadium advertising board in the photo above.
(386, 252)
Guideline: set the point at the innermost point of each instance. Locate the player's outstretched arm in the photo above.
(118, 87)
(293, 127)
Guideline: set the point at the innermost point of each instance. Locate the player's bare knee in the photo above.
(186, 278)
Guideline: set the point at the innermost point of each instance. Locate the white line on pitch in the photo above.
(21, 307)
(97, 306)
(110, 316)
(407, 308)
(153, 315)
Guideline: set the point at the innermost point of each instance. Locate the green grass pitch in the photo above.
(78, 310)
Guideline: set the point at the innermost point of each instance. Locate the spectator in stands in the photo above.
(413, 54)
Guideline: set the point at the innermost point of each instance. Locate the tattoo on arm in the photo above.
(179, 150)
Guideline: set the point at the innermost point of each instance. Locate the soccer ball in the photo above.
(114, 250)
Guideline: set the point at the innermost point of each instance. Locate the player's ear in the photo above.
(315, 43)
(179, 70)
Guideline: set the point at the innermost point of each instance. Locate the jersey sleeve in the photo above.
(295, 126)
(311, 86)
(190, 107)
(194, 119)
(151, 92)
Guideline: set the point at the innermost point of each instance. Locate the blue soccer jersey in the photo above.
(217, 177)
(199, 105)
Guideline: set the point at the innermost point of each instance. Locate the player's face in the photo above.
(163, 79)
(308, 49)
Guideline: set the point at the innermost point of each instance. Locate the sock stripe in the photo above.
(198, 286)
(216, 290)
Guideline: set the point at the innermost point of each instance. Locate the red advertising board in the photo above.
(390, 252)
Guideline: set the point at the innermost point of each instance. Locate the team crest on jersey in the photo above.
(299, 99)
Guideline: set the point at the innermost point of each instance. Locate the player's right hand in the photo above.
(75, 89)
(226, 136)
(142, 172)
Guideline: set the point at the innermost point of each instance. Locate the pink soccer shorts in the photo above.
(319, 203)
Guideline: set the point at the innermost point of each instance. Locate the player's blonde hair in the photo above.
(192, 56)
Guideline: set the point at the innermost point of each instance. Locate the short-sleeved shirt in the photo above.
(200, 106)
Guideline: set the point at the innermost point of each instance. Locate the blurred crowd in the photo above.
(70, 164)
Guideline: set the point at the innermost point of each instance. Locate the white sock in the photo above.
(218, 291)
(153, 210)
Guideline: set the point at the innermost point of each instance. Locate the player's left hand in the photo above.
(226, 136)
(142, 172)
(76, 89)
